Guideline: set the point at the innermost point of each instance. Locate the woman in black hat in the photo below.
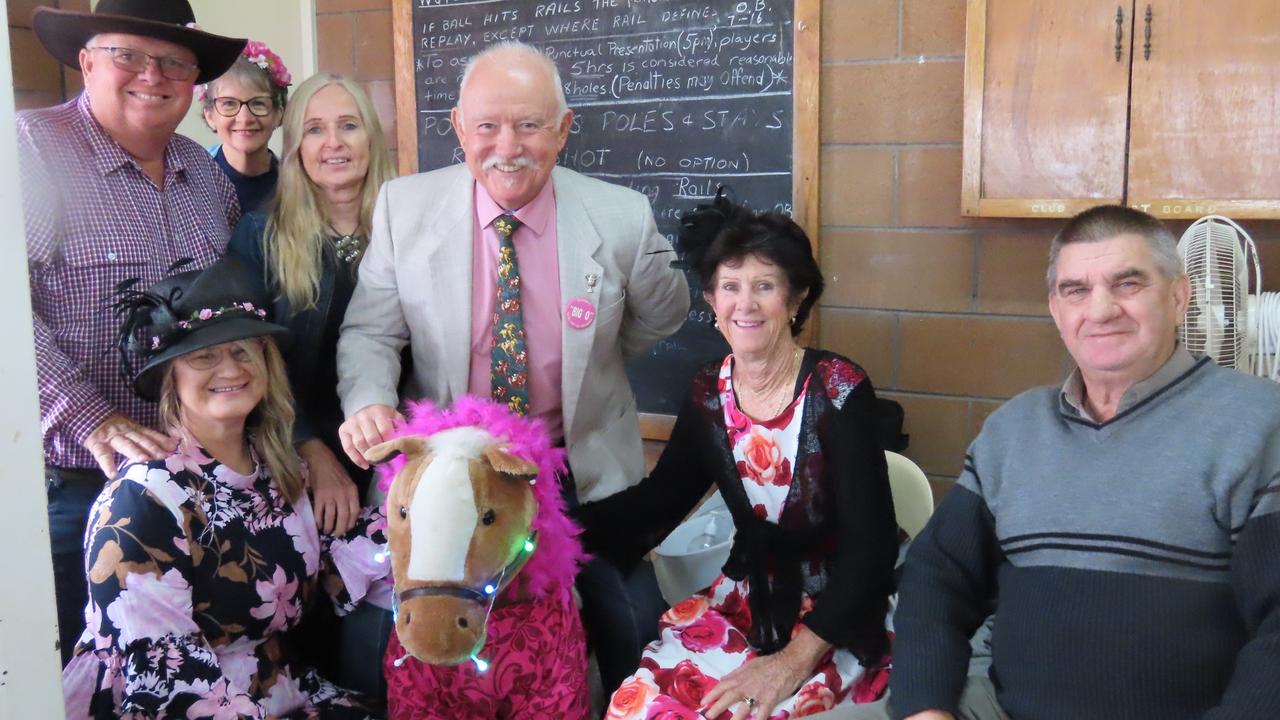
(796, 623)
(199, 562)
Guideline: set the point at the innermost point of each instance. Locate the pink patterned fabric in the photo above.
(704, 637)
(195, 573)
(536, 646)
(537, 669)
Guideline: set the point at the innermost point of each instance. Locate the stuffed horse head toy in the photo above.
(474, 511)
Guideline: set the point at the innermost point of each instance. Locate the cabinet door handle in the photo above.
(1119, 32)
(1146, 46)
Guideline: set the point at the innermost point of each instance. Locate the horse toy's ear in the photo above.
(408, 444)
(505, 462)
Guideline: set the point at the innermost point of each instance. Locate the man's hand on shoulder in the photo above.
(368, 427)
(119, 434)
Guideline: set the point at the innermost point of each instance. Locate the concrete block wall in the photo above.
(38, 79)
(948, 314)
(353, 38)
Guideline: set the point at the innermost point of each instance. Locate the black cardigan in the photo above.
(311, 359)
(838, 511)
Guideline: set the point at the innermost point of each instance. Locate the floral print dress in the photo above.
(194, 573)
(704, 637)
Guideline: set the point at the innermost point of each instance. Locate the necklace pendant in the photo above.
(347, 248)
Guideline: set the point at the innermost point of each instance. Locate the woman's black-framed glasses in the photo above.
(136, 61)
(260, 106)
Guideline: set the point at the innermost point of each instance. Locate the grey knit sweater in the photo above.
(1135, 563)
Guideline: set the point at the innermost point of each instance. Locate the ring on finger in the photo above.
(751, 702)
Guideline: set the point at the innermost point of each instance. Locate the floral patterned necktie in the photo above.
(509, 368)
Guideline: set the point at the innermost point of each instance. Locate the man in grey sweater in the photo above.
(1126, 524)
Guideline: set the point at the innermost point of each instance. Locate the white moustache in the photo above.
(509, 165)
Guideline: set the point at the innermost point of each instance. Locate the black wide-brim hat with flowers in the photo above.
(64, 32)
(186, 312)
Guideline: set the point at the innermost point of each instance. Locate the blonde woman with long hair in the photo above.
(307, 245)
(199, 562)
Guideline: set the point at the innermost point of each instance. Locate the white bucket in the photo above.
(681, 571)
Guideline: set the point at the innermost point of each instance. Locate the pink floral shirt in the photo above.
(194, 572)
(765, 450)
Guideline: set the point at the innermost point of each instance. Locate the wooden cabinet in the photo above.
(1172, 106)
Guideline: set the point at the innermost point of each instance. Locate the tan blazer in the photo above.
(415, 287)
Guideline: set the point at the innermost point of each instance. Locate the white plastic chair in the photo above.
(682, 572)
(912, 495)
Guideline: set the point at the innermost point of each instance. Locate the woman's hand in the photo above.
(768, 679)
(333, 493)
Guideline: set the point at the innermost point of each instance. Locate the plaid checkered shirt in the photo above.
(93, 219)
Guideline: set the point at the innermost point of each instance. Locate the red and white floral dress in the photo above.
(704, 637)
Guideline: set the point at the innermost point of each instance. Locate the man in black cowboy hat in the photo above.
(110, 193)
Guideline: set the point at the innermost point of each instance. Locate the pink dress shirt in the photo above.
(538, 256)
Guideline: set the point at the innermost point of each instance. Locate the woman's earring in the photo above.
(793, 319)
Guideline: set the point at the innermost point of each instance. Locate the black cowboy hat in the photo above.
(187, 312)
(64, 32)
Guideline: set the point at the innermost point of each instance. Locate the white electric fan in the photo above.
(1228, 317)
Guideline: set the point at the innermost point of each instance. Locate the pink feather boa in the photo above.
(555, 561)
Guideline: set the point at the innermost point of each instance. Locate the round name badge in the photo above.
(580, 313)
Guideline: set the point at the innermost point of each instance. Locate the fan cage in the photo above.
(1225, 308)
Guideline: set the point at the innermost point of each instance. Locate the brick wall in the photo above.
(353, 38)
(948, 314)
(38, 79)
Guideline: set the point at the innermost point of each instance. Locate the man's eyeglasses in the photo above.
(136, 61)
(260, 106)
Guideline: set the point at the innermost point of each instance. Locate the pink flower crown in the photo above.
(259, 54)
(202, 316)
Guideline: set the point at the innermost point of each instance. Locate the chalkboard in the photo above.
(671, 98)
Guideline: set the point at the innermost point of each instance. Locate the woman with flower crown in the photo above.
(244, 106)
(796, 624)
(197, 564)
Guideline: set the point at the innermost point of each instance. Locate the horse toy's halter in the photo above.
(444, 599)
(487, 592)
(487, 595)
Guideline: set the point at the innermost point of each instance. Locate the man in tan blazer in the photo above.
(428, 280)
(415, 286)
